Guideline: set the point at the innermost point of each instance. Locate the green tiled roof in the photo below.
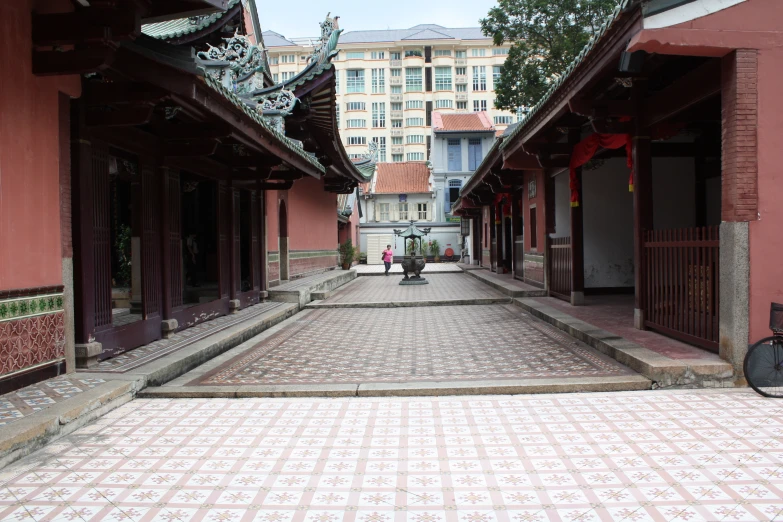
(247, 109)
(182, 26)
(599, 34)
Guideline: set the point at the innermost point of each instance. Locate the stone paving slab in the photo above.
(431, 268)
(495, 342)
(37, 397)
(300, 291)
(631, 456)
(413, 304)
(441, 287)
(506, 284)
(709, 372)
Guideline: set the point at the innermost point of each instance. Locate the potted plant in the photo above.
(347, 254)
(435, 250)
(363, 258)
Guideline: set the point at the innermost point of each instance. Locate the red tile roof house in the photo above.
(459, 143)
(397, 194)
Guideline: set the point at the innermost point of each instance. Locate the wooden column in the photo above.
(235, 253)
(516, 221)
(224, 239)
(171, 242)
(492, 239)
(149, 207)
(262, 234)
(84, 262)
(577, 248)
(642, 200)
(255, 233)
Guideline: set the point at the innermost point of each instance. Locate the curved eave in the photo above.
(182, 29)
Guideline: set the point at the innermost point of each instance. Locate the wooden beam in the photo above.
(196, 148)
(99, 93)
(611, 126)
(131, 115)
(602, 108)
(692, 88)
(85, 26)
(91, 59)
(191, 131)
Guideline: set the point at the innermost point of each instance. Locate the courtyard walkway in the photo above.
(703, 455)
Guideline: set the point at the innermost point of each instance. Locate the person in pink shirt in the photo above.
(387, 257)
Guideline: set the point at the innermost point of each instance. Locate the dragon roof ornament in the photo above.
(237, 64)
(326, 48)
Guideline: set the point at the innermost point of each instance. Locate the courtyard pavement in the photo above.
(432, 268)
(703, 455)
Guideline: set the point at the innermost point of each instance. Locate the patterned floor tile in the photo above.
(26, 401)
(442, 343)
(138, 465)
(442, 286)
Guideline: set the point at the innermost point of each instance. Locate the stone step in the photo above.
(506, 285)
(300, 291)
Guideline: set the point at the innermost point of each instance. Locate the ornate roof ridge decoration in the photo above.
(326, 49)
(238, 102)
(237, 64)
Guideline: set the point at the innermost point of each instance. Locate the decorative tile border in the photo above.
(14, 308)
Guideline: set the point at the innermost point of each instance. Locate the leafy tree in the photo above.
(546, 36)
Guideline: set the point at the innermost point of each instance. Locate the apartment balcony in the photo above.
(461, 96)
(397, 132)
(414, 61)
(396, 97)
(395, 115)
(396, 80)
(440, 61)
(459, 62)
(461, 79)
(395, 63)
(397, 149)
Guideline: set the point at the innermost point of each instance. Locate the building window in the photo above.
(384, 208)
(479, 105)
(480, 78)
(477, 53)
(462, 106)
(415, 138)
(414, 104)
(395, 56)
(396, 124)
(396, 106)
(533, 229)
(356, 156)
(414, 122)
(461, 54)
(497, 70)
(396, 140)
(461, 88)
(444, 104)
(357, 140)
(454, 153)
(380, 141)
(453, 193)
(503, 120)
(415, 156)
(337, 82)
(379, 115)
(396, 89)
(474, 153)
(286, 75)
(288, 58)
(413, 52)
(354, 55)
(461, 71)
(355, 80)
(378, 55)
(422, 211)
(355, 106)
(378, 81)
(413, 79)
(396, 72)
(337, 113)
(499, 51)
(276, 78)
(274, 60)
(442, 52)
(397, 158)
(442, 78)
(357, 124)
(404, 212)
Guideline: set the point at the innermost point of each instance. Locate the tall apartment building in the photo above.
(390, 82)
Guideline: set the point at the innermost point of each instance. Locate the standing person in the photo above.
(387, 257)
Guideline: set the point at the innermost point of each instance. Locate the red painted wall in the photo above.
(30, 248)
(766, 241)
(539, 202)
(312, 216)
(272, 209)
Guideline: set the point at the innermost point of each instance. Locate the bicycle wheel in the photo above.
(764, 367)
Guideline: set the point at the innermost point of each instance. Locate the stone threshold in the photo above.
(300, 291)
(408, 389)
(410, 304)
(27, 434)
(665, 372)
(511, 288)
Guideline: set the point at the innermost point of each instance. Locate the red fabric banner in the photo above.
(586, 149)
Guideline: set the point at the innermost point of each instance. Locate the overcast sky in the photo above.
(298, 18)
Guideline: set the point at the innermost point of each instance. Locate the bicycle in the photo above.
(763, 364)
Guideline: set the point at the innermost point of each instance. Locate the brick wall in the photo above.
(303, 266)
(739, 92)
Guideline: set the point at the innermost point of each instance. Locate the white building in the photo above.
(391, 82)
(398, 194)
